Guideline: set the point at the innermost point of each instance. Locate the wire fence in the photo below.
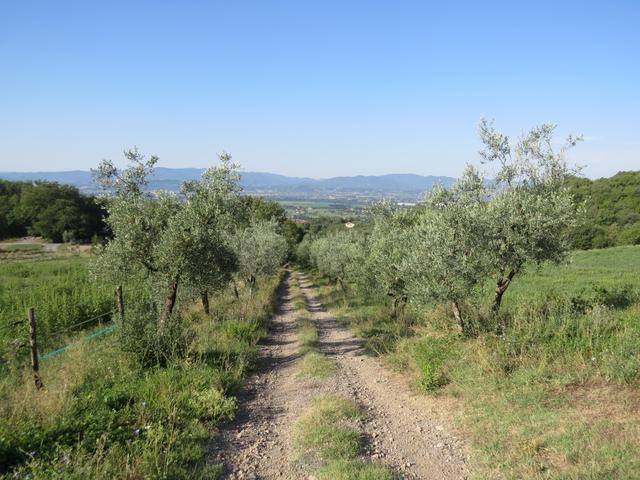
(15, 351)
(69, 328)
(64, 331)
(98, 333)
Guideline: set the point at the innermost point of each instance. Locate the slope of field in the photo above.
(587, 273)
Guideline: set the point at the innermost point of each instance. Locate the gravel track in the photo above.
(398, 428)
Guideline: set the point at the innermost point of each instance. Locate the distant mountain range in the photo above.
(172, 178)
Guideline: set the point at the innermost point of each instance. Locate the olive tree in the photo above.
(206, 222)
(260, 251)
(531, 210)
(303, 251)
(169, 241)
(445, 255)
(337, 256)
(387, 247)
(139, 222)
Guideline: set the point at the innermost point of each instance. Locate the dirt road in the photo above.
(398, 429)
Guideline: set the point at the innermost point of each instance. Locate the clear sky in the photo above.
(314, 88)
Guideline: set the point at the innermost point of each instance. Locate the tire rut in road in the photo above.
(257, 444)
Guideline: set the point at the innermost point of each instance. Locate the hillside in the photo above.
(613, 210)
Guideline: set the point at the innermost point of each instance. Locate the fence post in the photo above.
(120, 303)
(35, 366)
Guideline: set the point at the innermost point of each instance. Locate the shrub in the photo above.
(149, 346)
(616, 297)
(211, 404)
(430, 356)
(245, 330)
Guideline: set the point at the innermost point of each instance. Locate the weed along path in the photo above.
(319, 408)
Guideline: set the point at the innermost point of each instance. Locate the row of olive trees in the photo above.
(196, 242)
(446, 249)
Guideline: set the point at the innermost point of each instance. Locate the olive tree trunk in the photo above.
(398, 306)
(251, 281)
(458, 316)
(169, 303)
(501, 287)
(205, 301)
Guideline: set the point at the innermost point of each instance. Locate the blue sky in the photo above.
(314, 88)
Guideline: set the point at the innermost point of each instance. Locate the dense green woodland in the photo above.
(613, 210)
(50, 210)
(61, 213)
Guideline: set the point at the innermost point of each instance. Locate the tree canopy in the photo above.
(612, 210)
(462, 237)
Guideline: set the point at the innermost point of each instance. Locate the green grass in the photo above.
(325, 436)
(314, 364)
(353, 470)
(101, 415)
(555, 399)
(587, 271)
(297, 297)
(322, 434)
(307, 336)
(60, 291)
(306, 332)
(321, 431)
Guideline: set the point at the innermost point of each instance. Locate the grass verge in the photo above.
(353, 470)
(314, 364)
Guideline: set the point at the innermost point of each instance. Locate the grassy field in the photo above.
(587, 273)
(19, 250)
(558, 397)
(323, 208)
(59, 289)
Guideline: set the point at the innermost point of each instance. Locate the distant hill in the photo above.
(172, 178)
(404, 182)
